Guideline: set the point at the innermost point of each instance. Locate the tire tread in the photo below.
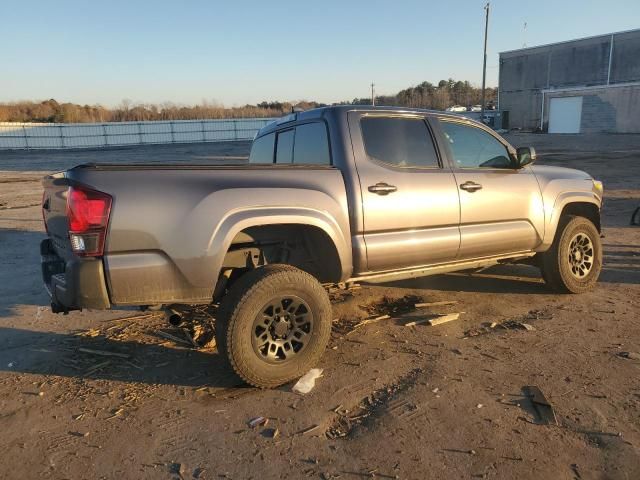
(255, 283)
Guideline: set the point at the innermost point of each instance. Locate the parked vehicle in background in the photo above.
(457, 108)
(336, 194)
(475, 108)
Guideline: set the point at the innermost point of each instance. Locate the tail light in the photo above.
(88, 215)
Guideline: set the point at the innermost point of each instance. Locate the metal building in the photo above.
(581, 86)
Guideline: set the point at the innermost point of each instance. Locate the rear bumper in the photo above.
(74, 284)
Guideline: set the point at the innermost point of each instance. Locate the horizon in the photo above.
(233, 56)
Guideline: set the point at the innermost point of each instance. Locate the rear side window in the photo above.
(284, 146)
(262, 149)
(402, 142)
(311, 145)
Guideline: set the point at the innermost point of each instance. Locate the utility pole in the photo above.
(484, 62)
(373, 94)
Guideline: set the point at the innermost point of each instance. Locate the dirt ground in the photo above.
(394, 401)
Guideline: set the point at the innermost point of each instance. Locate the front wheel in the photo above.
(574, 261)
(273, 325)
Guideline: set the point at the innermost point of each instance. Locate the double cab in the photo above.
(331, 195)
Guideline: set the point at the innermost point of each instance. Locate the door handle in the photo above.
(471, 186)
(382, 188)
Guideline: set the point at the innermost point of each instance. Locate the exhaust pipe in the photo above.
(174, 317)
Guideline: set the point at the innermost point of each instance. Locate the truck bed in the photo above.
(171, 224)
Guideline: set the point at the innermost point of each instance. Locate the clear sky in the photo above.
(243, 51)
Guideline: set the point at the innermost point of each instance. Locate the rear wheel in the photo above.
(273, 325)
(574, 261)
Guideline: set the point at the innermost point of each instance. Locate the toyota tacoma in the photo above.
(329, 196)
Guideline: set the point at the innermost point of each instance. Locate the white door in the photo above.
(565, 114)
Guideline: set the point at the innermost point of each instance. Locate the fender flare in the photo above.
(240, 219)
(553, 215)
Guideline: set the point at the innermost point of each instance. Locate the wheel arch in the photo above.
(582, 204)
(312, 229)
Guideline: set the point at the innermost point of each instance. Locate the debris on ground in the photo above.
(542, 406)
(434, 320)
(197, 473)
(178, 469)
(309, 430)
(196, 330)
(392, 306)
(341, 292)
(201, 326)
(339, 295)
(435, 304)
(104, 353)
(116, 413)
(386, 309)
(367, 321)
(258, 422)
(629, 355)
(168, 336)
(519, 323)
(307, 381)
(91, 333)
(271, 432)
(537, 315)
(96, 367)
(202, 336)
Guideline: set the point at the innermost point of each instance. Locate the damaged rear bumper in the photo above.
(73, 284)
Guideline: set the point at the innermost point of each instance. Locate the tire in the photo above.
(574, 261)
(273, 325)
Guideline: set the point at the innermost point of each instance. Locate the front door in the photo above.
(410, 203)
(500, 206)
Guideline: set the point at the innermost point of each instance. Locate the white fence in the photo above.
(92, 135)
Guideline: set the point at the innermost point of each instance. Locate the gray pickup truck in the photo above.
(330, 195)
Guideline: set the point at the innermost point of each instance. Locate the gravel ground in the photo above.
(394, 401)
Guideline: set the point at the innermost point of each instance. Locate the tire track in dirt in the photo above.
(383, 401)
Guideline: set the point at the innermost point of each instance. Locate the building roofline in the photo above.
(570, 41)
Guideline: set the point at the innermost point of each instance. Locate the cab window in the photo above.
(312, 145)
(472, 147)
(399, 141)
(262, 149)
(284, 146)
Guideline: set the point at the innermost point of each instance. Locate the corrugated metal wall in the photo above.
(92, 135)
(605, 60)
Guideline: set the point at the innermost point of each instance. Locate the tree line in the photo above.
(425, 95)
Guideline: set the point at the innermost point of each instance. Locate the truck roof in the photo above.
(323, 112)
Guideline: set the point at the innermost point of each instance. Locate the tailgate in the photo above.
(54, 212)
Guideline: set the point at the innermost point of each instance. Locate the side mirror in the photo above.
(525, 156)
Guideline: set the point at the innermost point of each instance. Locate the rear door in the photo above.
(499, 204)
(409, 198)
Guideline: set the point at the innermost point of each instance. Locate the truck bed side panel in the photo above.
(169, 228)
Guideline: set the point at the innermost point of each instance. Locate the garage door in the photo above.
(565, 114)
